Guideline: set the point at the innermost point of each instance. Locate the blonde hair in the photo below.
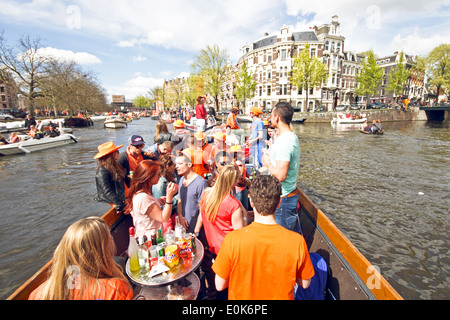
(212, 199)
(86, 250)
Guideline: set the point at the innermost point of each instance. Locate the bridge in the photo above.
(437, 113)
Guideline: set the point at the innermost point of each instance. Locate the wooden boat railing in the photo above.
(351, 275)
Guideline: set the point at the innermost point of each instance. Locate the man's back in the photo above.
(263, 262)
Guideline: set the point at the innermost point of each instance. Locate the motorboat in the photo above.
(350, 276)
(27, 145)
(115, 122)
(346, 118)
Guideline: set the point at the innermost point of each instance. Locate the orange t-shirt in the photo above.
(262, 262)
(231, 121)
(106, 289)
(200, 164)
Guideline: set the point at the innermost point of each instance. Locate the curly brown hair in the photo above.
(265, 193)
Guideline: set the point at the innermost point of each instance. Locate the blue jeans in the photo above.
(286, 214)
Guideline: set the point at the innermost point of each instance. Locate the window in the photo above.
(269, 58)
(285, 71)
(327, 45)
(313, 52)
(332, 46)
(269, 90)
(269, 74)
(283, 54)
(338, 47)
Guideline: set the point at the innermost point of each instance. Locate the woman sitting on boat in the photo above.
(83, 266)
(110, 176)
(142, 204)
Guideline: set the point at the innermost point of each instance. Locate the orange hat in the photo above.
(236, 148)
(200, 135)
(106, 148)
(256, 111)
(220, 136)
(179, 124)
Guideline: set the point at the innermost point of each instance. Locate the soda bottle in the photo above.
(143, 254)
(160, 237)
(153, 237)
(133, 251)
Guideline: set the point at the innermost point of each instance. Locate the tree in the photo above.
(369, 77)
(196, 87)
(212, 66)
(308, 71)
(438, 68)
(245, 84)
(26, 67)
(142, 102)
(398, 77)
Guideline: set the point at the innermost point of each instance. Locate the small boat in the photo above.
(78, 122)
(370, 132)
(211, 123)
(32, 145)
(350, 275)
(342, 118)
(298, 120)
(114, 122)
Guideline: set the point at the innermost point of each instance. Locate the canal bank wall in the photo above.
(385, 115)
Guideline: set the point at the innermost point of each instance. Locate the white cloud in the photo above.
(139, 58)
(82, 58)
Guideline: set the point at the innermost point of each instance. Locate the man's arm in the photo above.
(302, 283)
(221, 284)
(281, 169)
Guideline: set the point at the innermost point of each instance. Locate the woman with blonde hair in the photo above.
(220, 213)
(83, 266)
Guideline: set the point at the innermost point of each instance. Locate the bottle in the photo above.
(153, 237)
(133, 251)
(143, 255)
(179, 230)
(160, 237)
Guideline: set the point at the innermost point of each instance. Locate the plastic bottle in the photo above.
(179, 229)
(133, 251)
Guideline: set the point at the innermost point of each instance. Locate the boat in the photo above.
(115, 122)
(350, 275)
(78, 122)
(27, 145)
(342, 118)
(298, 120)
(379, 132)
(211, 123)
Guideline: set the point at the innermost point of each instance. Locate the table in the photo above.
(178, 277)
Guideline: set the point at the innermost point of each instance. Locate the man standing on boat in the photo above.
(200, 114)
(263, 260)
(132, 156)
(256, 141)
(282, 161)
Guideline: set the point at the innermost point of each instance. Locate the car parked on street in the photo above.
(320, 109)
(5, 116)
(355, 107)
(341, 107)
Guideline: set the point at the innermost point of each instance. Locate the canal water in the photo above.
(388, 194)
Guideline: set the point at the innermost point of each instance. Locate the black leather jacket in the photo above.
(109, 190)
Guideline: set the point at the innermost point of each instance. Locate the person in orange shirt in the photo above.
(84, 267)
(263, 260)
(201, 154)
(235, 127)
(132, 156)
(219, 144)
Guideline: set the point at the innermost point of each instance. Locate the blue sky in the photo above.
(133, 45)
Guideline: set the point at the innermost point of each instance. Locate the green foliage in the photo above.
(211, 65)
(369, 77)
(438, 67)
(308, 71)
(245, 84)
(398, 77)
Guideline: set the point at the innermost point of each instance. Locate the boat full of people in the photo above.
(40, 138)
(114, 122)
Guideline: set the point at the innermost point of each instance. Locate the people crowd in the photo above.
(241, 205)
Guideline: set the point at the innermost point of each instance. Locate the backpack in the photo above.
(316, 290)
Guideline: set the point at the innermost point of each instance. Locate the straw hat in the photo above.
(106, 148)
(179, 124)
(220, 136)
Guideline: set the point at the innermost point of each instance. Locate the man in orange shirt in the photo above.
(264, 260)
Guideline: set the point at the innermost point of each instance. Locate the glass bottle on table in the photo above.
(144, 265)
(160, 238)
(179, 229)
(133, 251)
